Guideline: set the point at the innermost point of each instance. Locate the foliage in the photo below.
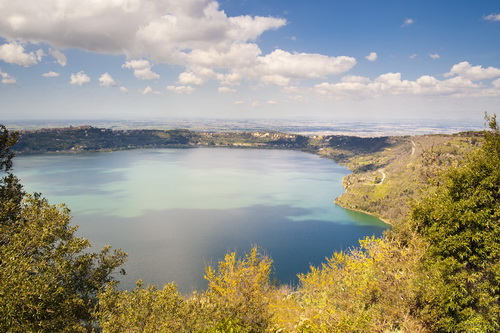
(48, 279)
(142, 310)
(88, 138)
(7, 140)
(370, 289)
(237, 300)
(461, 222)
(240, 290)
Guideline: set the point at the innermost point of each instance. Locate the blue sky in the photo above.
(146, 59)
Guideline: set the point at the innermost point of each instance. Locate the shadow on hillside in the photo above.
(359, 145)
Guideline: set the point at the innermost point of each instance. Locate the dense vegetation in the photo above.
(87, 138)
(49, 281)
(439, 271)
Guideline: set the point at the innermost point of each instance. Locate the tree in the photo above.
(368, 289)
(240, 292)
(11, 192)
(461, 222)
(144, 310)
(48, 279)
(238, 300)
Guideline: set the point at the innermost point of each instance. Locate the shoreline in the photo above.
(364, 212)
(310, 151)
(335, 201)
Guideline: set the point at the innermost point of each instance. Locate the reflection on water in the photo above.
(174, 211)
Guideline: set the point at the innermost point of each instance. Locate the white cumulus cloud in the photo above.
(355, 79)
(303, 65)
(160, 29)
(79, 79)
(50, 74)
(226, 90)
(181, 89)
(149, 90)
(188, 78)
(434, 56)
(194, 34)
(407, 22)
(142, 69)
(60, 57)
(7, 78)
(477, 73)
(392, 84)
(372, 56)
(106, 80)
(280, 67)
(492, 17)
(15, 53)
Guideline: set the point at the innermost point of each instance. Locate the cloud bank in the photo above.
(195, 34)
(204, 44)
(159, 29)
(463, 83)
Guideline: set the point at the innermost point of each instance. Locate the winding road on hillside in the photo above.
(384, 176)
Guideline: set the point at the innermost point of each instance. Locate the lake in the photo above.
(174, 211)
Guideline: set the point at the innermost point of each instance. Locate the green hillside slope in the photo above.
(386, 181)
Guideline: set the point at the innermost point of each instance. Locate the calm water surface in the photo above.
(176, 210)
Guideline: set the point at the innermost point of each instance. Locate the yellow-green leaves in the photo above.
(240, 290)
(368, 289)
(142, 310)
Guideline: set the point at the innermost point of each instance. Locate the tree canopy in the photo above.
(461, 222)
(49, 280)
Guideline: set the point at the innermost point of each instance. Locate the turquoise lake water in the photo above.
(176, 210)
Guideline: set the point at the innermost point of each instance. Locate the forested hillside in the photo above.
(437, 270)
(87, 138)
(386, 182)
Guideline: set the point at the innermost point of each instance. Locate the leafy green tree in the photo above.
(368, 289)
(461, 222)
(11, 192)
(48, 279)
(143, 310)
(238, 300)
(240, 292)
